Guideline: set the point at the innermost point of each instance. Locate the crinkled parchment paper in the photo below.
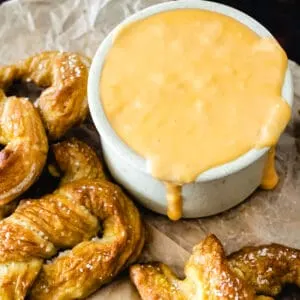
(30, 26)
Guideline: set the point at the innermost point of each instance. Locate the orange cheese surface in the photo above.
(192, 89)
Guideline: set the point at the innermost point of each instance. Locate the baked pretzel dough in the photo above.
(210, 275)
(69, 219)
(25, 152)
(64, 75)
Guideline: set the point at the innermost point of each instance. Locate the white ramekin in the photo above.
(215, 190)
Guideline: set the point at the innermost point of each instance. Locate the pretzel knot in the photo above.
(25, 152)
(63, 103)
(70, 218)
(251, 273)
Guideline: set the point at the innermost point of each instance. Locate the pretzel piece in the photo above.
(267, 268)
(25, 152)
(245, 274)
(64, 75)
(69, 219)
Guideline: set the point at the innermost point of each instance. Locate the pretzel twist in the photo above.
(63, 103)
(251, 273)
(70, 218)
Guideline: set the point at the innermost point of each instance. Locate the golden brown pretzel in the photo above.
(69, 219)
(25, 152)
(63, 103)
(210, 275)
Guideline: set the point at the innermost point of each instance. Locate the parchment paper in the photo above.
(30, 26)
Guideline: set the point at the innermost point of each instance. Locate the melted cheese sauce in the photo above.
(189, 90)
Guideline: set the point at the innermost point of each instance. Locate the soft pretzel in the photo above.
(70, 218)
(25, 152)
(245, 274)
(63, 103)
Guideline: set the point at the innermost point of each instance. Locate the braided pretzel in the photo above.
(210, 275)
(23, 158)
(63, 103)
(69, 218)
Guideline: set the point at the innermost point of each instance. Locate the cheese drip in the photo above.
(270, 177)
